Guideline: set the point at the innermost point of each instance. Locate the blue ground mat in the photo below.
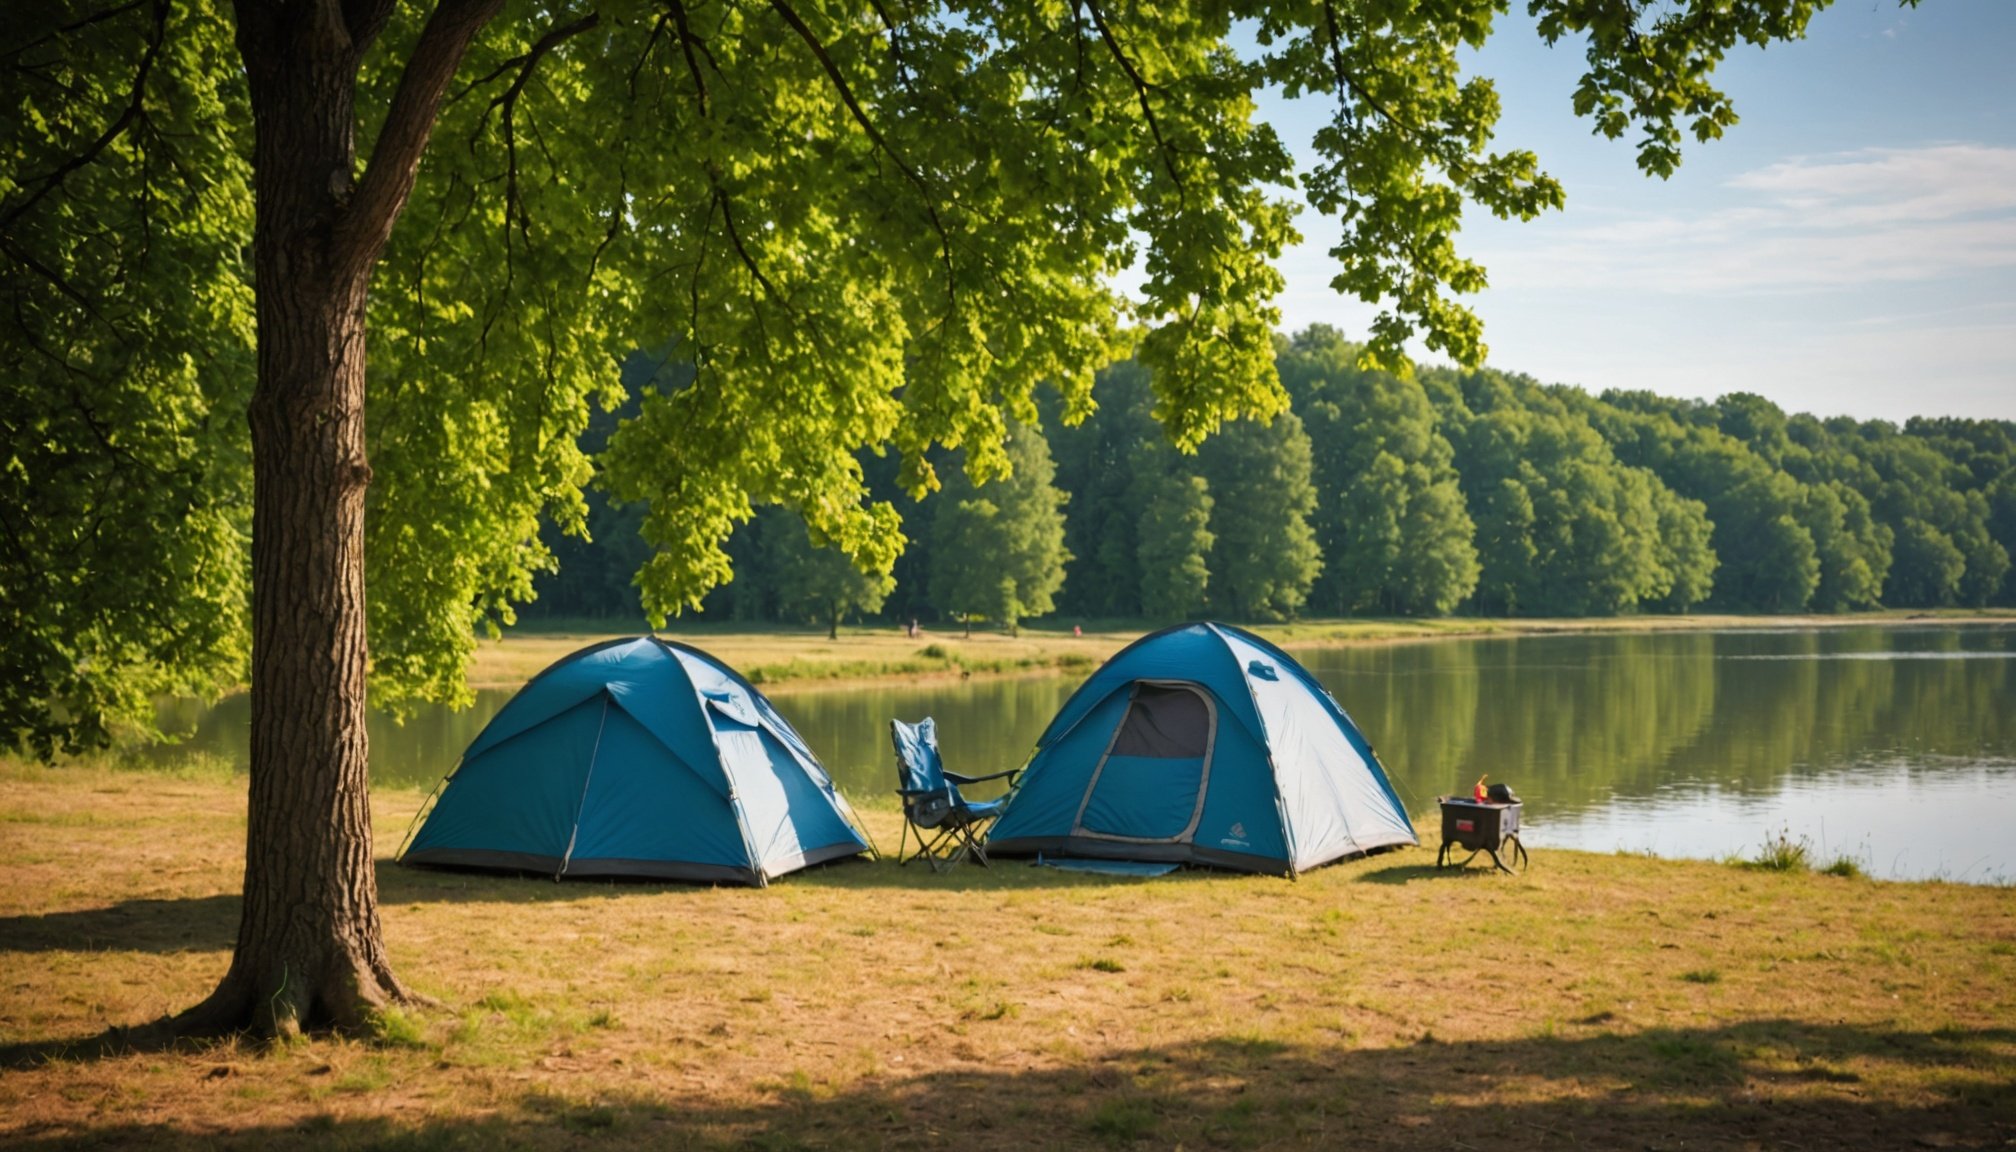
(1107, 867)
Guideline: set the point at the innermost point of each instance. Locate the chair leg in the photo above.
(932, 848)
(976, 840)
(945, 846)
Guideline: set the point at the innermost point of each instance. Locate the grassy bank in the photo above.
(786, 658)
(1597, 1001)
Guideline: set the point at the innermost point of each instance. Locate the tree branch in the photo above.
(74, 25)
(1141, 87)
(904, 75)
(530, 60)
(395, 158)
(686, 41)
(1346, 82)
(853, 106)
(693, 283)
(126, 118)
(735, 238)
(55, 278)
(366, 19)
(657, 30)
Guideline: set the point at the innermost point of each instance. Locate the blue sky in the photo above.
(1848, 248)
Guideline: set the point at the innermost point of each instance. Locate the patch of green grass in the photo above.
(468, 1029)
(1783, 853)
(52, 819)
(1846, 867)
(998, 1010)
(366, 1077)
(932, 659)
(581, 1118)
(395, 1029)
(1691, 1059)
(182, 764)
(500, 1026)
(1103, 964)
(1702, 976)
(1122, 1121)
(509, 1005)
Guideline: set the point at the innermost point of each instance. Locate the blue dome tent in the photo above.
(1203, 744)
(638, 757)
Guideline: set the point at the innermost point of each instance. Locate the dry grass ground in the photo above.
(1597, 1001)
(806, 658)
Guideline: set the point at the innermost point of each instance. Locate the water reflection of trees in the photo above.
(1574, 721)
(1570, 721)
(983, 726)
(1416, 703)
(1564, 720)
(414, 752)
(1832, 713)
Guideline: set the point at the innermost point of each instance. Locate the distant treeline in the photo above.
(1450, 492)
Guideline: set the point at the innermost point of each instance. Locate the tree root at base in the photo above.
(347, 999)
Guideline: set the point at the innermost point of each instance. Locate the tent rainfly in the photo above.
(1203, 744)
(638, 757)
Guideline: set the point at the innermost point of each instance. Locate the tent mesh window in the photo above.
(1171, 723)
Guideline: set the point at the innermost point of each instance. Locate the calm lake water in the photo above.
(1894, 746)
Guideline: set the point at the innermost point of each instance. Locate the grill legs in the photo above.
(1508, 849)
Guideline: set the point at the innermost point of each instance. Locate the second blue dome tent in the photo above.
(1203, 744)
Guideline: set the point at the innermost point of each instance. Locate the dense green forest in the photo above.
(1452, 491)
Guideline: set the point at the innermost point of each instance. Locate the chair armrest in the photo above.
(956, 778)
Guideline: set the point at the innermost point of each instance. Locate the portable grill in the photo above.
(1481, 826)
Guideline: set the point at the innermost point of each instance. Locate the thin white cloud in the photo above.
(1886, 185)
(1807, 223)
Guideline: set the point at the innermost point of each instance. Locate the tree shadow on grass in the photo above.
(182, 924)
(210, 923)
(1760, 1084)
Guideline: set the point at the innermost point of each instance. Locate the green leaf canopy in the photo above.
(869, 225)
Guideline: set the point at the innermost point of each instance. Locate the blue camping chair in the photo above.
(947, 825)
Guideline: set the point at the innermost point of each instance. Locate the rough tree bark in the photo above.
(309, 950)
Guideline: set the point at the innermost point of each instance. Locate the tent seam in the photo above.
(1267, 743)
(587, 782)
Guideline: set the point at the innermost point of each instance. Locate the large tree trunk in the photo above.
(309, 950)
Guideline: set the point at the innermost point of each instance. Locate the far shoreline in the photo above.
(786, 660)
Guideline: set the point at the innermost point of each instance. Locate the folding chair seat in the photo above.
(947, 826)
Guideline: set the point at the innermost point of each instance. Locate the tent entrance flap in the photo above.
(1150, 785)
